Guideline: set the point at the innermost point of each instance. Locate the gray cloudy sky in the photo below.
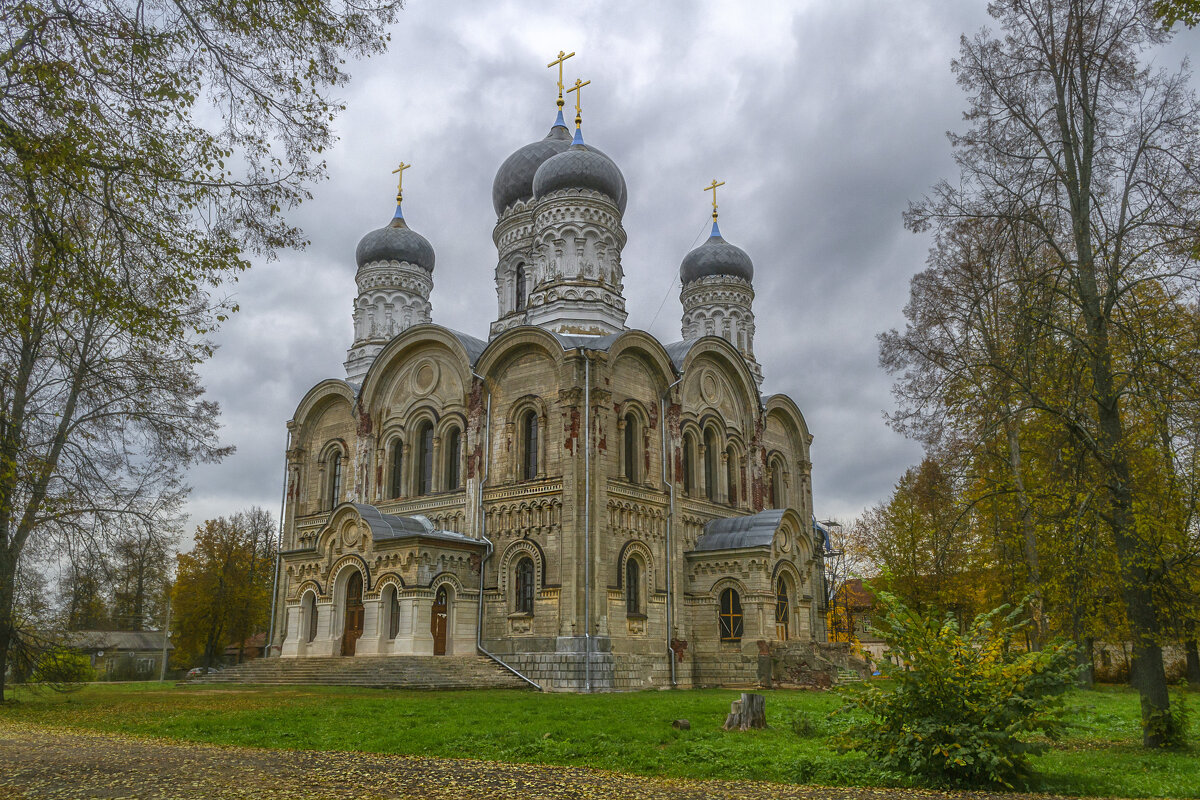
(823, 117)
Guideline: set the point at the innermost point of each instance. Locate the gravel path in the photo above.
(44, 762)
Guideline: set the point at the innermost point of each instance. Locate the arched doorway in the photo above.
(354, 613)
(437, 620)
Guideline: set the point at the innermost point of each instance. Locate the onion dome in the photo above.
(395, 242)
(581, 167)
(514, 179)
(716, 257)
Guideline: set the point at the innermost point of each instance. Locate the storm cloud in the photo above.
(823, 118)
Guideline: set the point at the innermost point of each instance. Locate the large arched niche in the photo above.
(643, 349)
(328, 395)
(515, 343)
(783, 419)
(423, 364)
(712, 360)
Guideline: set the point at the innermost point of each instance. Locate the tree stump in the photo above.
(749, 712)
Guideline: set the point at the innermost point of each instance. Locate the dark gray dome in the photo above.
(716, 257)
(514, 179)
(581, 167)
(395, 242)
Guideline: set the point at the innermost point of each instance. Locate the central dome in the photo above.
(514, 179)
(581, 167)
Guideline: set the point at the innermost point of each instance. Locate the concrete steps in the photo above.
(381, 672)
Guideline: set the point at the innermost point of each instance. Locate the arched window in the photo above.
(454, 459)
(631, 454)
(395, 469)
(633, 585)
(529, 445)
(425, 458)
(731, 474)
(776, 484)
(783, 612)
(525, 586)
(393, 612)
(335, 478)
(519, 305)
(310, 613)
(710, 465)
(688, 454)
(730, 616)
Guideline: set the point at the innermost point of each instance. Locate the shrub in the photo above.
(962, 706)
(63, 670)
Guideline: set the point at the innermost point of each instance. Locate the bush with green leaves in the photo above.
(962, 707)
(63, 669)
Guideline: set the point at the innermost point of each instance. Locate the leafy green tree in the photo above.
(222, 591)
(961, 705)
(1072, 139)
(144, 147)
(920, 541)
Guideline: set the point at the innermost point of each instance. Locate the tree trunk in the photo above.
(1029, 533)
(8, 579)
(1193, 664)
(746, 713)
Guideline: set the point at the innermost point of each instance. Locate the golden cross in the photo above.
(559, 61)
(400, 180)
(578, 94)
(713, 189)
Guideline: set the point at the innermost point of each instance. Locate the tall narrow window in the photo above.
(730, 616)
(310, 611)
(396, 468)
(335, 478)
(529, 444)
(710, 465)
(520, 298)
(525, 586)
(454, 459)
(731, 475)
(393, 613)
(782, 610)
(688, 455)
(631, 454)
(633, 603)
(425, 459)
(776, 485)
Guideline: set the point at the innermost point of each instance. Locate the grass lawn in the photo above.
(629, 732)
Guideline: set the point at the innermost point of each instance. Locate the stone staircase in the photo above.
(379, 672)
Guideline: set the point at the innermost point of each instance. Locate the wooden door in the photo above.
(354, 614)
(437, 622)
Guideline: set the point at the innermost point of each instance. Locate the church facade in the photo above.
(592, 507)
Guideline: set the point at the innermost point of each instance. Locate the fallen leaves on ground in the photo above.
(47, 762)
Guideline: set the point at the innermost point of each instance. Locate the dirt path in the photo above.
(42, 762)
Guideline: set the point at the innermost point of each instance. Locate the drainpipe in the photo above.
(587, 521)
(662, 416)
(278, 548)
(482, 535)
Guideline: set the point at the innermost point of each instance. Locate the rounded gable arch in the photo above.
(403, 346)
(510, 343)
(316, 400)
(726, 357)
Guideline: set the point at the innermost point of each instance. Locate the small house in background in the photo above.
(249, 649)
(850, 619)
(122, 655)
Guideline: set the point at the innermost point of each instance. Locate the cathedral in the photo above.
(588, 506)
